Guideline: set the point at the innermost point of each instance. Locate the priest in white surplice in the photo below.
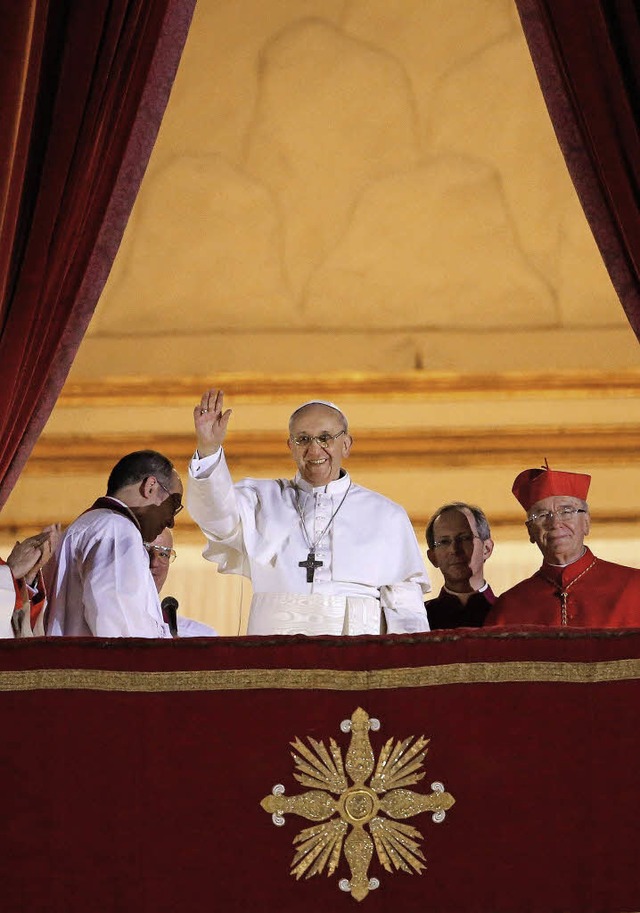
(324, 555)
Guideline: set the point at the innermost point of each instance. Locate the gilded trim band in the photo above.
(319, 679)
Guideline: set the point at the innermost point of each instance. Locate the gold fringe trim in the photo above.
(319, 679)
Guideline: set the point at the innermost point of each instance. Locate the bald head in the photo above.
(302, 410)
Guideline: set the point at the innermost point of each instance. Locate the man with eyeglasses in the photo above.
(324, 555)
(459, 542)
(161, 554)
(572, 587)
(102, 585)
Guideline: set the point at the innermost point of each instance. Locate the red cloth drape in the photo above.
(587, 57)
(132, 771)
(83, 87)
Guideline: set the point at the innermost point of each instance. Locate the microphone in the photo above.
(169, 606)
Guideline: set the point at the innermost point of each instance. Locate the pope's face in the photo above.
(459, 554)
(560, 541)
(317, 463)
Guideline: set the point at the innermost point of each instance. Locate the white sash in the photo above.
(314, 614)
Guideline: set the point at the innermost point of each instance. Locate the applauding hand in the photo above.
(28, 556)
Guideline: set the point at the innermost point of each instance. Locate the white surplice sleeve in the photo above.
(402, 600)
(212, 501)
(403, 607)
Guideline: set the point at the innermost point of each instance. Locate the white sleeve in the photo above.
(118, 593)
(212, 502)
(202, 467)
(402, 599)
(403, 607)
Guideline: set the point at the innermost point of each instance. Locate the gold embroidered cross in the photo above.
(364, 816)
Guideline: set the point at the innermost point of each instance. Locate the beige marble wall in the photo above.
(356, 184)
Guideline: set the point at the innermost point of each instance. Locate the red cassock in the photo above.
(595, 594)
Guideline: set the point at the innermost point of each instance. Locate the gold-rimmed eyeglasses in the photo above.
(323, 440)
(161, 552)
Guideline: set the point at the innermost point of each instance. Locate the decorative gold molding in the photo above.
(623, 524)
(320, 679)
(251, 453)
(426, 385)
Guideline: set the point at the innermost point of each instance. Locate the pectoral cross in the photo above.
(311, 564)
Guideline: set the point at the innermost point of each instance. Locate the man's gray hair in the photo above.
(478, 515)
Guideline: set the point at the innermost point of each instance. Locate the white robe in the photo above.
(189, 627)
(102, 584)
(370, 555)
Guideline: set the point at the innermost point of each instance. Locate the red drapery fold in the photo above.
(587, 57)
(83, 87)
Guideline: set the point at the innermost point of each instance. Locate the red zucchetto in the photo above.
(532, 485)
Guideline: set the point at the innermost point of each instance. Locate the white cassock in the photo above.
(102, 584)
(189, 627)
(369, 553)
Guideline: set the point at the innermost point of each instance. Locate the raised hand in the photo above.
(210, 422)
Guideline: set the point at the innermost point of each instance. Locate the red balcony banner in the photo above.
(482, 771)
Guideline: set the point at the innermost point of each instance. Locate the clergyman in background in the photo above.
(161, 555)
(572, 587)
(459, 542)
(102, 585)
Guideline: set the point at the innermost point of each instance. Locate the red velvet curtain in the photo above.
(587, 57)
(83, 87)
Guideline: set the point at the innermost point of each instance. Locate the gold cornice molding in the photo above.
(254, 454)
(623, 523)
(423, 385)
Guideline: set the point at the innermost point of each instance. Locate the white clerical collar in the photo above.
(581, 555)
(465, 597)
(337, 487)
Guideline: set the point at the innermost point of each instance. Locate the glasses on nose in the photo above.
(463, 540)
(323, 440)
(161, 553)
(175, 497)
(563, 514)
